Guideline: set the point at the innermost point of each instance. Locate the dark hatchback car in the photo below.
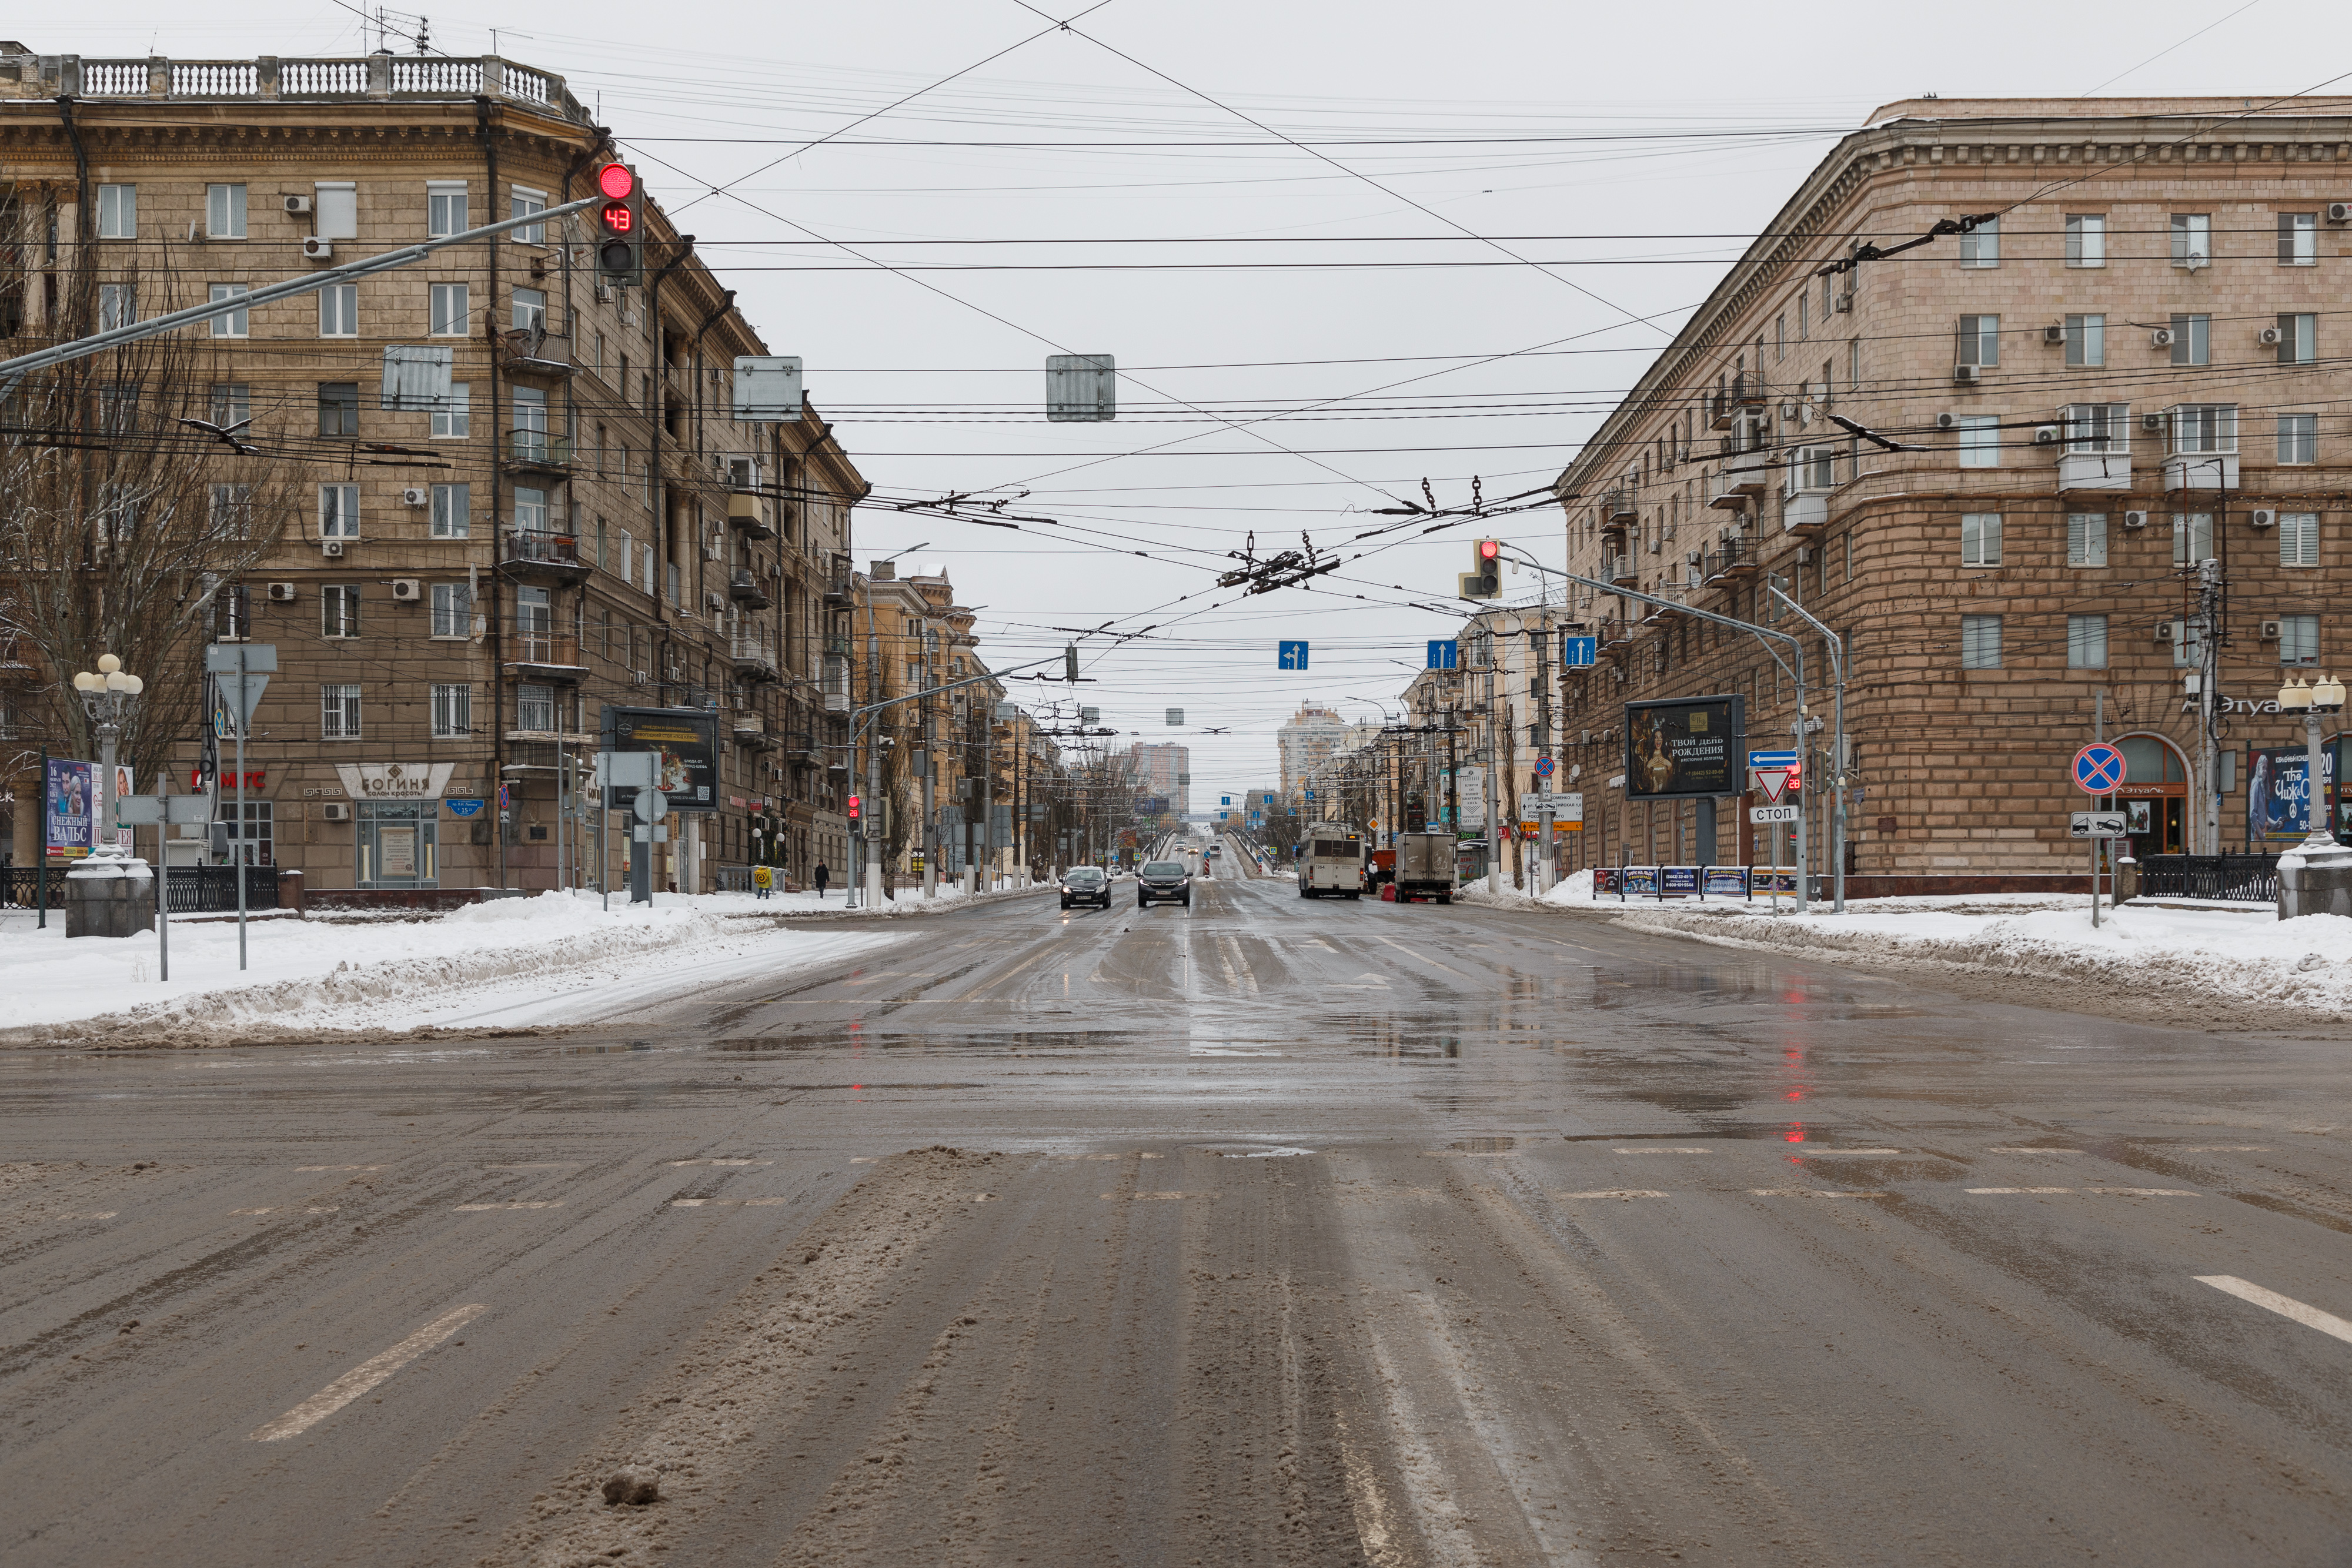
(1085, 884)
(1164, 882)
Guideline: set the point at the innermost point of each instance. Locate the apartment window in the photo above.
(1780, 334)
(529, 441)
(335, 207)
(2192, 239)
(2087, 340)
(2087, 239)
(2086, 642)
(529, 509)
(1804, 314)
(251, 842)
(1980, 641)
(453, 710)
(237, 320)
(1980, 340)
(339, 610)
(339, 712)
(338, 310)
(2298, 239)
(338, 408)
(529, 308)
(2192, 537)
(2205, 427)
(2097, 426)
(1979, 443)
(225, 212)
(2192, 340)
(453, 511)
(117, 212)
(453, 610)
(339, 511)
(232, 404)
(2298, 639)
(2298, 339)
(447, 313)
(232, 613)
(231, 511)
(535, 708)
(524, 203)
(118, 306)
(2298, 539)
(457, 421)
(2087, 538)
(2298, 438)
(1981, 538)
(1980, 247)
(444, 208)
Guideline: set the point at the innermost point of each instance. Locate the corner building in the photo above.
(461, 591)
(2135, 364)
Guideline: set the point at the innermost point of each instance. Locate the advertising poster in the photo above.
(1604, 881)
(1688, 748)
(2278, 798)
(68, 808)
(1470, 796)
(687, 740)
(1729, 881)
(1677, 881)
(1638, 881)
(1773, 880)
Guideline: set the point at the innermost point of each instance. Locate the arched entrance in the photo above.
(2154, 797)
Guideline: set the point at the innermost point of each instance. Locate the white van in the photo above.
(1331, 861)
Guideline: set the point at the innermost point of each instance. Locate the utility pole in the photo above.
(1542, 639)
(1493, 762)
(929, 754)
(2208, 612)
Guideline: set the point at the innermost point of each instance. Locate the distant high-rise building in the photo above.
(1307, 741)
(1161, 770)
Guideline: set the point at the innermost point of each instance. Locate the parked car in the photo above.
(1162, 881)
(1085, 884)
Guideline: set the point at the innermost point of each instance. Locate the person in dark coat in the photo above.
(824, 875)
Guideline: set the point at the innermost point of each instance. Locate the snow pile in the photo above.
(508, 963)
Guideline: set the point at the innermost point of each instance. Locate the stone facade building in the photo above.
(461, 591)
(2131, 364)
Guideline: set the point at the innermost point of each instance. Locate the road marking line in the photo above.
(1612, 1192)
(1147, 1196)
(1420, 956)
(301, 1168)
(2286, 1306)
(94, 1214)
(365, 1375)
(723, 1162)
(485, 1208)
(2143, 1191)
(2000, 1191)
(1822, 1153)
(1809, 1192)
(233, 1212)
(2226, 1149)
(2002, 1149)
(1661, 1151)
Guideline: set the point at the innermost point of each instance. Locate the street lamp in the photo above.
(107, 695)
(2326, 697)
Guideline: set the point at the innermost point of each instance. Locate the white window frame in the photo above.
(2087, 239)
(230, 511)
(455, 421)
(2087, 538)
(339, 610)
(2192, 537)
(2298, 338)
(338, 310)
(522, 202)
(2298, 539)
(453, 613)
(118, 304)
(2192, 338)
(2298, 438)
(339, 511)
(117, 212)
(527, 308)
(2298, 640)
(339, 714)
(2087, 340)
(439, 220)
(1975, 651)
(530, 696)
(453, 710)
(1980, 442)
(453, 511)
(1981, 538)
(225, 212)
(2204, 429)
(1979, 342)
(2298, 239)
(231, 403)
(448, 311)
(531, 510)
(2192, 239)
(2097, 426)
(1980, 247)
(2086, 642)
(235, 322)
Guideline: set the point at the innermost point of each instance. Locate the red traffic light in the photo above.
(1796, 779)
(1489, 548)
(853, 807)
(615, 180)
(616, 217)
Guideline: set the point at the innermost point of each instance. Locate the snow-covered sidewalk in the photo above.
(2240, 952)
(508, 964)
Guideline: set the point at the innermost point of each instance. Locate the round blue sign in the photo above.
(2098, 768)
(1543, 767)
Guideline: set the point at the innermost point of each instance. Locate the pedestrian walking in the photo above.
(823, 875)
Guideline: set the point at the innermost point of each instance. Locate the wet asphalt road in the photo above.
(1267, 1232)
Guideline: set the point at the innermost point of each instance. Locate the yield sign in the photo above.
(1772, 782)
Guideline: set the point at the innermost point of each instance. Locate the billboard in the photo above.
(68, 807)
(1687, 748)
(687, 741)
(2278, 798)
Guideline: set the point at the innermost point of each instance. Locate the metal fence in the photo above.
(192, 889)
(2245, 879)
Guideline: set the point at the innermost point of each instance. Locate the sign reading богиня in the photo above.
(390, 780)
(1687, 746)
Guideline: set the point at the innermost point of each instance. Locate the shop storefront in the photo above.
(395, 812)
(2154, 798)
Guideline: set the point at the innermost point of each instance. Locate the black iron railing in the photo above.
(194, 889)
(2245, 879)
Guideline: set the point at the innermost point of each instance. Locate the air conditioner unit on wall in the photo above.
(2263, 517)
(2134, 519)
(407, 590)
(2164, 631)
(298, 206)
(2339, 212)
(317, 249)
(2269, 336)
(1948, 421)
(415, 495)
(2161, 338)
(2045, 435)
(1844, 301)
(331, 549)
(2054, 336)
(282, 593)
(335, 811)
(2151, 422)
(2270, 629)
(1967, 375)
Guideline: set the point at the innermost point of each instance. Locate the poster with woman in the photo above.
(67, 813)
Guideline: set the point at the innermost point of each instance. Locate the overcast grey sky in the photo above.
(1633, 146)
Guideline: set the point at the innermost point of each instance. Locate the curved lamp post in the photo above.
(2312, 702)
(107, 694)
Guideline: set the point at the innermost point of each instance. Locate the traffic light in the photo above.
(1485, 579)
(1796, 783)
(620, 228)
(854, 807)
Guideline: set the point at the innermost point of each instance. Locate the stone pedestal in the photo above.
(2314, 881)
(110, 897)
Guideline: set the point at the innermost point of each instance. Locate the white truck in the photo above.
(1332, 863)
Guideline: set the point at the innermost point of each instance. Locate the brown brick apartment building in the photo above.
(2137, 363)
(460, 592)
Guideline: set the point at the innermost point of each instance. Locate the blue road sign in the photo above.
(1442, 653)
(2098, 768)
(1578, 653)
(1765, 761)
(1543, 767)
(1293, 656)
(1224, 800)
(1269, 797)
(1310, 794)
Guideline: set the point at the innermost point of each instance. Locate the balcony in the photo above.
(745, 512)
(751, 730)
(529, 552)
(1619, 569)
(1738, 557)
(1805, 488)
(744, 586)
(801, 747)
(2095, 471)
(538, 452)
(533, 351)
(282, 79)
(2201, 471)
(838, 593)
(754, 659)
(1617, 507)
(545, 655)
